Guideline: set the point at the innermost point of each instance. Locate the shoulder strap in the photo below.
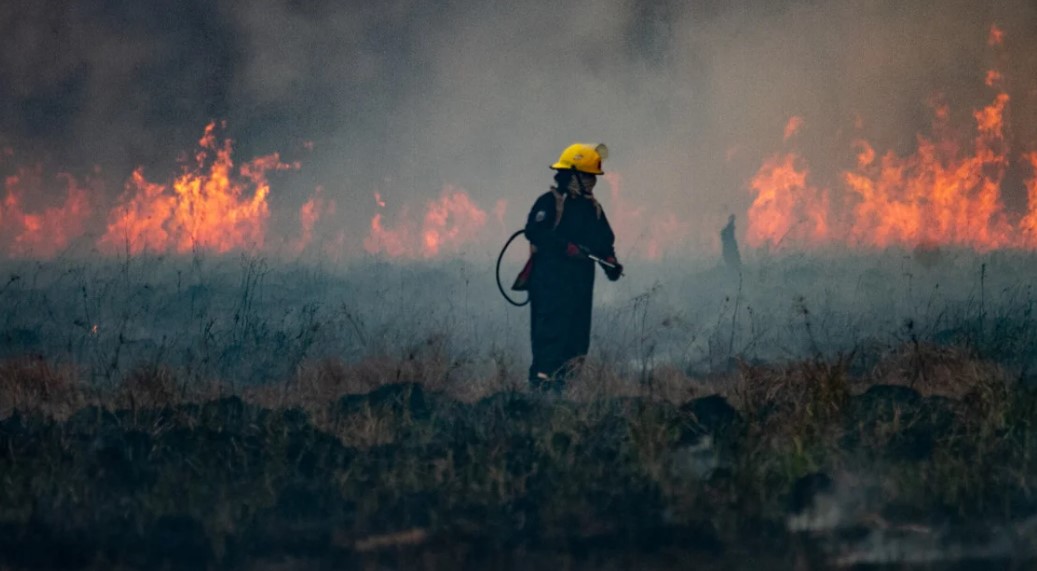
(559, 206)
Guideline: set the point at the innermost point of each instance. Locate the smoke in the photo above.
(404, 97)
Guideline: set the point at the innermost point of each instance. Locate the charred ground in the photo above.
(266, 417)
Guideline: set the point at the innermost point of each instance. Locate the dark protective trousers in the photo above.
(561, 300)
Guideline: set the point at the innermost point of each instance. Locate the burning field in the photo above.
(949, 191)
(249, 319)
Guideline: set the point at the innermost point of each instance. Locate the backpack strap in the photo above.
(559, 205)
(559, 209)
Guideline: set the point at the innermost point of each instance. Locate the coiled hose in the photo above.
(500, 286)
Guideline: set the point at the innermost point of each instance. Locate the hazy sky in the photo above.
(404, 96)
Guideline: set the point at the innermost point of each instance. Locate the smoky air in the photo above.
(251, 264)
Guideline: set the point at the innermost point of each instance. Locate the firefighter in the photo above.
(564, 227)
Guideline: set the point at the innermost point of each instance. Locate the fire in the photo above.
(793, 126)
(393, 243)
(786, 206)
(447, 225)
(215, 205)
(451, 221)
(946, 192)
(1028, 225)
(208, 207)
(934, 196)
(996, 37)
(309, 214)
(45, 232)
(937, 194)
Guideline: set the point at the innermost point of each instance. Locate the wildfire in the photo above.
(208, 207)
(309, 214)
(996, 37)
(786, 206)
(1028, 225)
(215, 205)
(936, 194)
(792, 127)
(447, 224)
(945, 192)
(41, 233)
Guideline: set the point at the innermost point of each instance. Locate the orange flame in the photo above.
(938, 194)
(786, 207)
(208, 207)
(451, 220)
(447, 225)
(41, 234)
(1028, 225)
(793, 127)
(996, 36)
(310, 213)
(944, 193)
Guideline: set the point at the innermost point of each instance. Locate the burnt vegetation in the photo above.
(179, 414)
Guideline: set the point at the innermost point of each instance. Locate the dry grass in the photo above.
(933, 370)
(806, 389)
(410, 473)
(32, 384)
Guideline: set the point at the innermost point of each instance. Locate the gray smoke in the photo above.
(404, 96)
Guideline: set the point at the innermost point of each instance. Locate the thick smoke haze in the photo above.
(223, 220)
(403, 97)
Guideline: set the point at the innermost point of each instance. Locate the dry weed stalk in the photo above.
(935, 370)
(32, 384)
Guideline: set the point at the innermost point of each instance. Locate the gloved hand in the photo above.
(614, 272)
(574, 250)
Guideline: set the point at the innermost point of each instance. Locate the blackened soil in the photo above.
(514, 481)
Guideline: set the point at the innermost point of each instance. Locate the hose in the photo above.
(501, 257)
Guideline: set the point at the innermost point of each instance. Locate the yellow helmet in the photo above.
(582, 157)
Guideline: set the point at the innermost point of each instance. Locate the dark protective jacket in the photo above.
(561, 288)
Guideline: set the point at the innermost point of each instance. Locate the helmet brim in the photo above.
(565, 167)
